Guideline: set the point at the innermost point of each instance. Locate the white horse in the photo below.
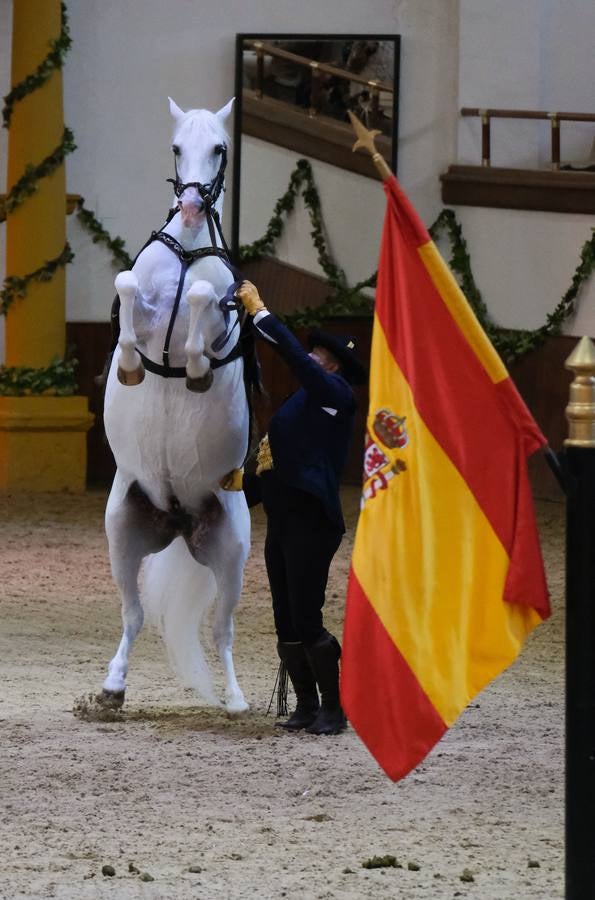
(175, 438)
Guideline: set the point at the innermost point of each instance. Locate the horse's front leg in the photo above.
(131, 537)
(199, 375)
(130, 368)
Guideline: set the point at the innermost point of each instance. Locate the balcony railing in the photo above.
(318, 70)
(555, 119)
(560, 188)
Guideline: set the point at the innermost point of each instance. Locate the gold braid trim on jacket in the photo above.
(264, 459)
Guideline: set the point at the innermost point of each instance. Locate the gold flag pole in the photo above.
(365, 139)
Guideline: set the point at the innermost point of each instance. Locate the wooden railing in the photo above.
(317, 70)
(555, 118)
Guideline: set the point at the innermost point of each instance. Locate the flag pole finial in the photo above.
(365, 139)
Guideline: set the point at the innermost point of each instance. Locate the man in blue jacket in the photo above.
(299, 466)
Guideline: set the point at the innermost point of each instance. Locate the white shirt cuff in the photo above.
(261, 314)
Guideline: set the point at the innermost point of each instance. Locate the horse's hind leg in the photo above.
(130, 539)
(227, 563)
(130, 368)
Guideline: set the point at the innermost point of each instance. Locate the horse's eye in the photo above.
(219, 148)
(176, 149)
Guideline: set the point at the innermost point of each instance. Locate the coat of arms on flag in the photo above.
(381, 462)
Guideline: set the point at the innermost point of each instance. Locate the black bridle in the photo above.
(209, 194)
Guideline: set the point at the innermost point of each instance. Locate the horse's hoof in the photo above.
(113, 699)
(131, 378)
(201, 384)
(236, 707)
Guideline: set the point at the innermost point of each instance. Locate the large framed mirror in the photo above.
(293, 93)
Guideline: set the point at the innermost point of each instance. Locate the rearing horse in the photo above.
(177, 421)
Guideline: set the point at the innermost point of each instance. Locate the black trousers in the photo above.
(300, 543)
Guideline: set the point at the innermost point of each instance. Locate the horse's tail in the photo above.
(176, 593)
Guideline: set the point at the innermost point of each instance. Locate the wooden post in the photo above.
(259, 69)
(485, 138)
(555, 124)
(580, 626)
(315, 89)
(375, 116)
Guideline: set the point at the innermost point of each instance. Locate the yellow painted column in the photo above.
(36, 230)
(42, 438)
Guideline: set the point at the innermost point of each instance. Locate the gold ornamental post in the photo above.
(580, 411)
(42, 438)
(579, 462)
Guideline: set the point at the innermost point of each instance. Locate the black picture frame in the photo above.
(237, 130)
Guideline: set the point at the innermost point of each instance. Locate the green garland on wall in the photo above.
(115, 245)
(349, 301)
(343, 300)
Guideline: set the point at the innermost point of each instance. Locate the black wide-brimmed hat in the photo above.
(343, 348)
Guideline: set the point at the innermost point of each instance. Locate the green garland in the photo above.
(57, 379)
(14, 286)
(301, 180)
(54, 60)
(100, 236)
(346, 301)
(27, 183)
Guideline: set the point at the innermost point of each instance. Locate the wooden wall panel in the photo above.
(90, 342)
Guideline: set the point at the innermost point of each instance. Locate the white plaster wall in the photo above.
(123, 76)
(523, 263)
(527, 54)
(128, 56)
(353, 206)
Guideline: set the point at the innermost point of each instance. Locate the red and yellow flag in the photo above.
(446, 577)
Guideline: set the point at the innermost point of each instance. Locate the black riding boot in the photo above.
(304, 685)
(324, 660)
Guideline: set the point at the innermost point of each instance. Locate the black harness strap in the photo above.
(188, 256)
(183, 269)
(180, 371)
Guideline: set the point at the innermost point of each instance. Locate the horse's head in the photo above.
(199, 144)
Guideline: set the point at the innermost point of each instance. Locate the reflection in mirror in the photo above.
(294, 92)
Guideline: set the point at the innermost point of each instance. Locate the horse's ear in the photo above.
(175, 110)
(225, 110)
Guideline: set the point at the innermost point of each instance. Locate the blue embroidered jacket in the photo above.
(309, 434)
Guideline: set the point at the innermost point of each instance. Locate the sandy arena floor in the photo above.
(256, 813)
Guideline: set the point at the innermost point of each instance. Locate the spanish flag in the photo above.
(446, 578)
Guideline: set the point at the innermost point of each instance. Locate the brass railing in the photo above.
(555, 118)
(317, 70)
